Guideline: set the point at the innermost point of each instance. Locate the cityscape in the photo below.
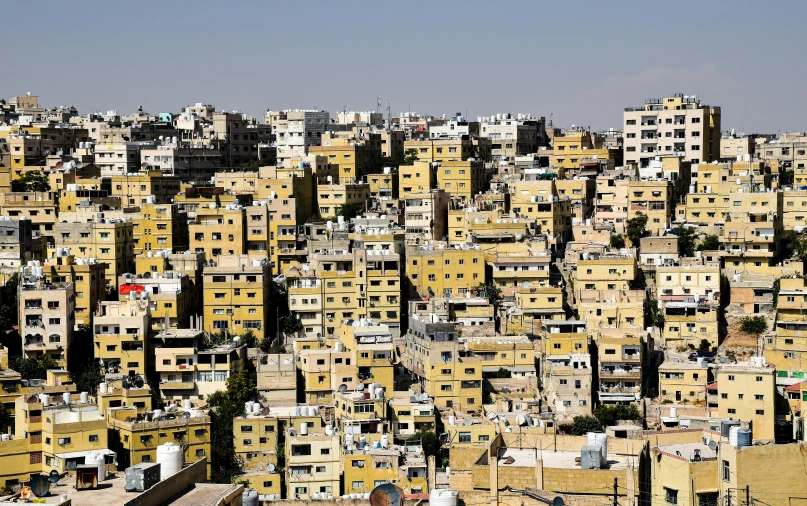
(596, 297)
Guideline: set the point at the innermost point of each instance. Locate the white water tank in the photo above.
(102, 388)
(340, 346)
(349, 440)
(443, 497)
(44, 399)
(329, 430)
(186, 404)
(84, 397)
(379, 394)
(303, 429)
(256, 408)
(385, 441)
(169, 456)
(66, 398)
(599, 438)
(673, 412)
(452, 420)
(97, 459)
(733, 435)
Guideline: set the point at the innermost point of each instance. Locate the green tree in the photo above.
(611, 415)
(777, 285)
(581, 425)
(709, 243)
(754, 325)
(6, 418)
(410, 156)
(290, 324)
(226, 405)
(503, 373)
(87, 378)
(32, 368)
(8, 311)
(654, 314)
(249, 339)
(492, 292)
(31, 182)
(349, 211)
(686, 240)
(635, 228)
(617, 241)
(705, 345)
(431, 444)
(798, 245)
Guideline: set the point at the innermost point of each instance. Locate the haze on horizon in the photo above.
(582, 62)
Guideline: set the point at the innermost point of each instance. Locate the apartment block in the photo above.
(747, 392)
(46, 316)
(420, 177)
(120, 334)
(620, 369)
(606, 272)
(313, 463)
(683, 382)
(160, 226)
(236, 295)
(461, 178)
(752, 232)
(441, 271)
(679, 125)
(219, 231)
(425, 215)
(85, 274)
(568, 379)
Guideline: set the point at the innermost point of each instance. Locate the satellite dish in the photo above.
(386, 495)
(712, 446)
(53, 476)
(186, 414)
(558, 501)
(342, 388)
(270, 468)
(360, 387)
(292, 432)
(656, 450)
(467, 422)
(40, 485)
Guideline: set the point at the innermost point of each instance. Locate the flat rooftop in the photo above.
(203, 494)
(560, 459)
(687, 450)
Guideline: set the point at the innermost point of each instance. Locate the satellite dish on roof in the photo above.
(386, 495)
(270, 468)
(558, 501)
(342, 388)
(712, 445)
(360, 387)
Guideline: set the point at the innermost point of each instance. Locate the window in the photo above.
(670, 495)
(726, 471)
(93, 438)
(760, 411)
(465, 437)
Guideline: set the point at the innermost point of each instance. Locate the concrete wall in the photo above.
(166, 490)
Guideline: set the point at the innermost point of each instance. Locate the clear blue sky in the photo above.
(583, 61)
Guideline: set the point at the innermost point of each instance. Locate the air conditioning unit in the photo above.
(62, 441)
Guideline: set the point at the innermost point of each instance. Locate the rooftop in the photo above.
(526, 457)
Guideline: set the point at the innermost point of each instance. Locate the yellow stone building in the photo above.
(121, 334)
(160, 226)
(747, 392)
(683, 382)
(219, 231)
(436, 270)
(607, 272)
(236, 295)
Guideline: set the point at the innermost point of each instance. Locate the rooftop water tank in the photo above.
(169, 456)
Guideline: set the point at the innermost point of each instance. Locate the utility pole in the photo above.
(616, 480)
(748, 495)
(728, 497)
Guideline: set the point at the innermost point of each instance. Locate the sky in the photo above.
(579, 61)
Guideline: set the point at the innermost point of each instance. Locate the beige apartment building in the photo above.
(219, 231)
(121, 335)
(747, 392)
(236, 295)
(425, 215)
(679, 125)
(46, 317)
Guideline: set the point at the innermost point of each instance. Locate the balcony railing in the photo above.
(621, 373)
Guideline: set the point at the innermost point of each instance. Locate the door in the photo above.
(678, 396)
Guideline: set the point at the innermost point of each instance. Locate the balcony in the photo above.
(620, 373)
(177, 385)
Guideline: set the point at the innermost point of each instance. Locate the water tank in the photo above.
(102, 388)
(249, 497)
(349, 440)
(248, 407)
(169, 456)
(96, 459)
(385, 441)
(443, 497)
(66, 398)
(744, 437)
(256, 408)
(329, 430)
(452, 420)
(673, 412)
(297, 411)
(303, 429)
(340, 346)
(186, 404)
(304, 411)
(601, 439)
(726, 425)
(44, 399)
(379, 394)
(733, 438)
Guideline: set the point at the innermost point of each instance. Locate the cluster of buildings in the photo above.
(393, 278)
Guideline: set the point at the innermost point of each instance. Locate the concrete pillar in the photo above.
(494, 479)
(431, 473)
(539, 474)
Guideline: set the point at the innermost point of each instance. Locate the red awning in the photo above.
(127, 289)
